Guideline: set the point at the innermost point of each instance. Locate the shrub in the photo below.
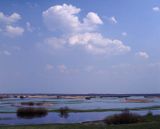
(123, 118)
(31, 112)
(21, 97)
(88, 98)
(149, 114)
(64, 112)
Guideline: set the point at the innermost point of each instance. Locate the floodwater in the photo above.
(12, 104)
(54, 118)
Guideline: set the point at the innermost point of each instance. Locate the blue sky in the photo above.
(79, 46)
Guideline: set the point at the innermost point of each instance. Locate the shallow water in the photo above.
(12, 104)
(52, 118)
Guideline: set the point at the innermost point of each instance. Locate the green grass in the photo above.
(151, 125)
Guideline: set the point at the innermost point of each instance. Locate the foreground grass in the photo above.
(151, 125)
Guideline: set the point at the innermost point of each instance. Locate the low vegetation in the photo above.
(31, 112)
(64, 112)
(125, 117)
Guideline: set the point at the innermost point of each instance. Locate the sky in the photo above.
(79, 46)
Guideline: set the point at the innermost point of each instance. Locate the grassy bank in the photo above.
(151, 125)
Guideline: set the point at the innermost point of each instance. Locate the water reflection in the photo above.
(54, 118)
(64, 112)
(30, 113)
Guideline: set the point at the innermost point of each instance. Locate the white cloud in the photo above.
(64, 18)
(9, 25)
(113, 20)
(95, 43)
(13, 31)
(14, 17)
(90, 22)
(142, 55)
(156, 9)
(93, 18)
(124, 33)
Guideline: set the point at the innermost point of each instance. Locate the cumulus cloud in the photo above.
(80, 32)
(113, 20)
(97, 44)
(156, 9)
(64, 18)
(90, 22)
(93, 18)
(142, 55)
(13, 31)
(9, 25)
(14, 17)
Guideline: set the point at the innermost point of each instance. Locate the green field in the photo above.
(152, 125)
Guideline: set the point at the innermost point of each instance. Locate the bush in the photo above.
(149, 114)
(31, 112)
(21, 97)
(64, 112)
(123, 118)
